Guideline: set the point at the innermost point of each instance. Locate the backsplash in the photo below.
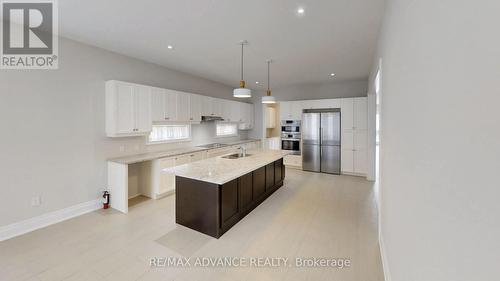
(202, 133)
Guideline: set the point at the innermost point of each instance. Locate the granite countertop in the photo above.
(136, 158)
(220, 170)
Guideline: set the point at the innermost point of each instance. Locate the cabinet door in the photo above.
(278, 170)
(360, 139)
(269, 176)
(246, 191)
(360, 165)
(226, 110)
(347, 114)
(243, 109)
(183, 107)
(170, 105)
(206, 108)
(296, 110)
(217, 106)
(142, 110)
(235, 111)
(360, 113)
(167, 180)
(259, 182)
(125, 107)
(347, 160)
(347, 139)
(158, 103)
(270, 118)
(250, 115)
(195, 108)
(229, 202)
(284, 110)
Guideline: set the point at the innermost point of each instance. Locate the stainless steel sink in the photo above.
(236, 156)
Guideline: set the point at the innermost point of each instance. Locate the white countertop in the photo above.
(136, 158)
(220, 170)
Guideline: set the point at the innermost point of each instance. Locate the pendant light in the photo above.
(242, 92)
(268, 98)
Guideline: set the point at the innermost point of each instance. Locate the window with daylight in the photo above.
(226, 129)
(170, 133)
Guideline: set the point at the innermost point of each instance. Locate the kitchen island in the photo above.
(214, 194)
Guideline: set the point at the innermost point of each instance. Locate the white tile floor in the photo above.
(312, 215)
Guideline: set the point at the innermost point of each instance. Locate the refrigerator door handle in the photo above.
(321, 141)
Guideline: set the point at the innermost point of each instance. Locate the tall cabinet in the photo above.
(354, 136)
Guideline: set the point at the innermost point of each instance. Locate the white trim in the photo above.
(25, 226)
(385, 264)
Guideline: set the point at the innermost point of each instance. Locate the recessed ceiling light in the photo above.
(170, 47)
(257, 82)
(300, 11)
(332, 74)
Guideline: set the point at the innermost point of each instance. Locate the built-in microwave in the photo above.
(290, 126)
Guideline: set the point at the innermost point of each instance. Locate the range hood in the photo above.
(211, 118)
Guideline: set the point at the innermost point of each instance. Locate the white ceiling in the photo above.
(332, 36)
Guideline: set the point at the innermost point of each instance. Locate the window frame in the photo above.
(236, 133)
(188, 139)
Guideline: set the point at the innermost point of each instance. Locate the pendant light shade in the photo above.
(268, 98)
(242, 92)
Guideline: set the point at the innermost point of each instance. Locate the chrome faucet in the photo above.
(243, 151)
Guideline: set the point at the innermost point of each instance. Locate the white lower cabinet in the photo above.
(293, 161)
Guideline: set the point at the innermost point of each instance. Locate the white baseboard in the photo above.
(385, 264)
(25, 226)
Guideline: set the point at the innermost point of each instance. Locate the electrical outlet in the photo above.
(36, 201)
(122, 148)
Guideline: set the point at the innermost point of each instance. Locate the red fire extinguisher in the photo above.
(105, 201)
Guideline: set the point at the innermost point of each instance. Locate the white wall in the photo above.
(440, 142)
(53, 140)
(328, 90)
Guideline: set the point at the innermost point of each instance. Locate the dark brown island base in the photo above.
(213, 209)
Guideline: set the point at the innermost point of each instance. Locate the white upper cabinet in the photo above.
(226, 110)
(131, 109)
(195, 102)
(142, 95)
(183, 107)
(206, 106)
(284, 110)
(296, 108)
(158, 97)
(128, 109)
(246, 116)
(217, 105)
(291, 110)
(270, 117)
(235, 111)
(164, 105)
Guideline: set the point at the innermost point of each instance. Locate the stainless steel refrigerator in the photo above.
(321, 140)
